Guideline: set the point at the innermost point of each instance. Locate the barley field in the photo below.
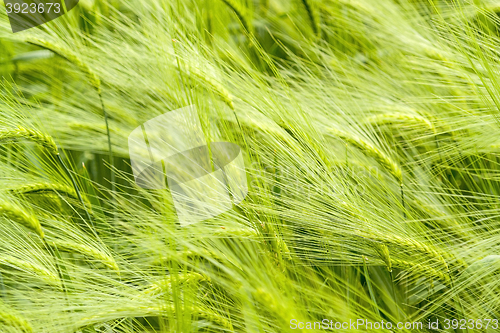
(369, 132)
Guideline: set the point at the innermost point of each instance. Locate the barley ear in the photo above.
(421, 269)
(210, 82)
(235, 233)
(41, 272)
(155, 311)
(412, 244)
(17, 214)
(40, 188)
(372, 151)
(93, 78)
(85, 250)
(165, 284)
(10, 319)
(29, 134)
(79, 195)
(383, 252)
(313, 15)
(387, 118)
(68, 55)
(241, 12)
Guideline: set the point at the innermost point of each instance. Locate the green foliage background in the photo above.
(370, 136)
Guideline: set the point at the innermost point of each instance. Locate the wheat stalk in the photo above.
(166, 283)
(17, 214)
(421, 269)
(444, 221)
(241, 12)
(265, 298)
(86, 251)
(29, 134)
(379, 156)
(150, 311)
(410, 243)
(44, 141)
(68, 55)
(242, 233)
(52, 199)
(93, 78)
(213, 84)
(8, 318)
(49, 187)
(213, 316)
(93, 127)
(80, 198)
(200, 253)
(37, 270)
(228, 232)
(400, 117)
(353, 164)
(383, 252)
(313, 15)
(372, 151)
(30, 221)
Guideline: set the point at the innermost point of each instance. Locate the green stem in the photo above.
(403, 200)
(111, 159)
(394, 295)
(370, 289)
(2, 287)
(460, 306)
(61, 271)
(78, 194)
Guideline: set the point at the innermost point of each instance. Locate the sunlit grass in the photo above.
(370, 136)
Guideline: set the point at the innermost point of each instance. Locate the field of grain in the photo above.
(369, 132)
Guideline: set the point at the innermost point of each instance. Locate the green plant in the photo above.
(371, 158)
